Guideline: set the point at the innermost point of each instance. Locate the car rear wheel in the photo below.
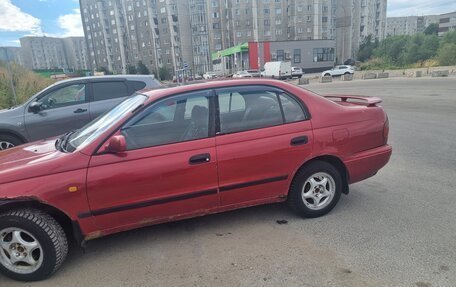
(327, 75)
(315, 190)
(8, 141)
(346, 73)
(32, 245)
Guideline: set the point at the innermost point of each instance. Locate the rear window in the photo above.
(137, 85)
(109, 90)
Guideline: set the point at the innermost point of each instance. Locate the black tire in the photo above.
(327, 75)
(347, 73)
(47, 232)
(12, 140)
(295, 198)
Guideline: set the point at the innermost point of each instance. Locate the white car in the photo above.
(296, 72)
(209, 75)
(339, 71)
(242, 74)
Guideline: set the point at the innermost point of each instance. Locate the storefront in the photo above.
(310, 55)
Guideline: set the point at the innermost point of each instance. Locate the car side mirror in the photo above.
(116, 144)
(35, 107)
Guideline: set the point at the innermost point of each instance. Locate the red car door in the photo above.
(168, 170)
(264, 136)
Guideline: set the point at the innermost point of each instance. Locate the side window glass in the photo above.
(252, 109)
(137, 85)
(231, 102)
(291, 109)
(176, 119)
(109, 90)
(192, 103)
(66, 96)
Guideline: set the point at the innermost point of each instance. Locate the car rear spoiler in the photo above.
(371, 101)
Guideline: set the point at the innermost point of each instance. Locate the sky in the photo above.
(61, 18)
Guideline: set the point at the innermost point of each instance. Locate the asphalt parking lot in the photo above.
(395, 229)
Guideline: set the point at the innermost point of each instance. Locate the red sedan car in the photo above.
(182, 152)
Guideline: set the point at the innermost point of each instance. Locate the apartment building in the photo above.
(447, 22)
(177, 33)
(355, 20)
(54, 53)
(409, 25)
(11, 54)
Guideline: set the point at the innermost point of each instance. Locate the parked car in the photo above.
(181, 152)
(67, 105)
(279, 70)
(209, 75)
(242, 74)
(254, 73)
(296, 72)
(339, 71)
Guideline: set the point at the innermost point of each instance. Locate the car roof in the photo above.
(156, 94)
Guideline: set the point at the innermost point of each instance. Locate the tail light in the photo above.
(385, 131)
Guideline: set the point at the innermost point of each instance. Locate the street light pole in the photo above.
(8, 68)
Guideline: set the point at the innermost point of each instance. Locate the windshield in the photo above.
(92, 130)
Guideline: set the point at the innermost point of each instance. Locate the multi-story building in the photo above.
(54, 53)
(76, 53)
(409, 25)
(447, 22)
(43, 53)
(120, 33)
(177, 33)
(355, 20)
(11, 54)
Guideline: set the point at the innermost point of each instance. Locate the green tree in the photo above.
(142, 69)
(131, 70)
(432, 29)
(366, 49)
(164, 73)
(447, 54)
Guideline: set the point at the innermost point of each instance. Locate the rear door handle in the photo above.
(200, 158)
(299, 140)
(79, 111)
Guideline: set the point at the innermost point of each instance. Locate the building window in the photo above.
(278, 10)
(280, 55)
(297, 55)
(323, 54)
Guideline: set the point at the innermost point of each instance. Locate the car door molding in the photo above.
(147, 203)
(253, 183)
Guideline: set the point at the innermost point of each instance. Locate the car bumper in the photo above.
(367, 163)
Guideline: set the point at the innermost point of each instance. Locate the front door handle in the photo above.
(299, 140)
(200, 158)
(79, 111)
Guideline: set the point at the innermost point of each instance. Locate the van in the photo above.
(279, 69)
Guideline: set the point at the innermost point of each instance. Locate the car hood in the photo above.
(37, 159)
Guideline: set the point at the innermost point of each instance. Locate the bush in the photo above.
(26, 82)
(447, 54)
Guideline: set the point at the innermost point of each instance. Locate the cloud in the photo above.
(71, 24)
(13, 19)
(419, 7)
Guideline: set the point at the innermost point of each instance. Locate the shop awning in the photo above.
(244, 47)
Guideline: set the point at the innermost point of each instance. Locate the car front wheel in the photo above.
(8, 141)
(315, 190)
(32, 245)
(327, 75)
